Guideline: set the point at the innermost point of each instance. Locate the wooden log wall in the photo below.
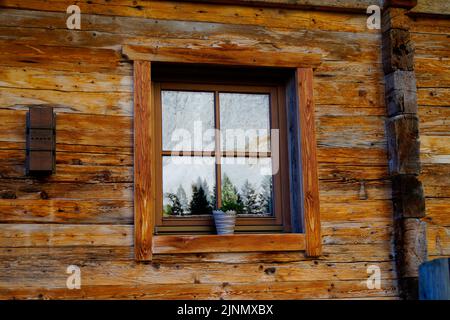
(432, 68)
(83, 215)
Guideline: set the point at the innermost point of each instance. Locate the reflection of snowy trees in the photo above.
(199, 203)
(246, 201)
(266, 195)
(251, 199)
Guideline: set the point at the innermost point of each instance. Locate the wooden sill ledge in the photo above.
(228, 243)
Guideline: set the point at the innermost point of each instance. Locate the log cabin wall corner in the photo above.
(84, 214)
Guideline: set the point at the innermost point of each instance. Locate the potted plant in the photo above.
(225, 219)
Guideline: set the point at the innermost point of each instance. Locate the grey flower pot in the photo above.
(225, 222)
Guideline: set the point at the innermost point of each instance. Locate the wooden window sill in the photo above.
(172, 244)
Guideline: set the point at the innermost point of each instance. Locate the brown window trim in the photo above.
(144, 173)
(280, 221)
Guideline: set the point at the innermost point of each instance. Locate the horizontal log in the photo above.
(434, 122)
(429, 24)
(434, 149)
(377, 252)
(344, 131)
(107, 103)
(270, 290)
(218, 13)
(66, 211)
(433, 96)
(63, 81)
(432, 72)
(47, 235)
(33, 189)
(43, 235)
(329, 5)
(60, 58)
(438, 212)
(357, 210)
(74, 129)
(222, 55)
(51, 273)
(356, 233)
(435, 180)
(434, 7)
(228, 243)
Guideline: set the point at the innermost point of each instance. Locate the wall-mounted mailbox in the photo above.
(41, 141)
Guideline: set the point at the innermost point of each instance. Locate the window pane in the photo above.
(188, 185)
(247, 182)
(245, 122)
(188, 120)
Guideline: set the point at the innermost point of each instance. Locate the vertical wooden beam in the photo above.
(310, 178)
(402, 132)
(144, 175)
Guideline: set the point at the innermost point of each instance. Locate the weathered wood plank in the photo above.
(64, 81)
(240, 15)
(346, 253)
(309, 167)
(59, 58)
(26, 235)
(144, 168)
(66, 211)
(438, 212)
(270, 290)
(230, 55)
(434, 7)
(228, 243)
(341, 6)
(112, 272)
(47, 235)
(435, 149)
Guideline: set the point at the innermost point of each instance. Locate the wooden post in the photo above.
(144, 171)
(402, 131)
(308, 149)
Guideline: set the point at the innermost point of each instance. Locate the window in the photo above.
(220, 144)
(284, 88)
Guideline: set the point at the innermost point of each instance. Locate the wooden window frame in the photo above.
(280, 221)
(145, 186)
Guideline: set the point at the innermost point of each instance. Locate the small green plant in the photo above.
(231, 208)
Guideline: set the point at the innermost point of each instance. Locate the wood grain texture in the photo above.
(144, 171)
(231, 55)
(329, 5)
(309, 166)
(228, 243)
(84, 75)
(433, 75)
(432, 7)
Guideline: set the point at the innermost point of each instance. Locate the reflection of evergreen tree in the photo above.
(181, 194)
(199, 203)
(205, 187)
(175, 205)
(231, 200)
(212, 197)
(250, 199)
(266, 195)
